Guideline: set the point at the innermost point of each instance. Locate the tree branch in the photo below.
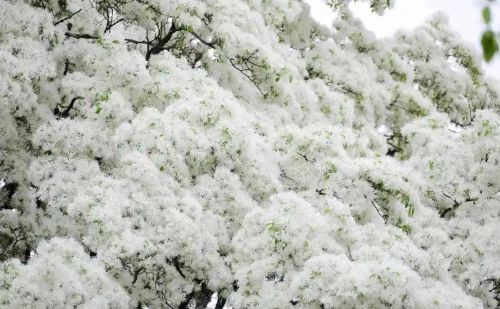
(65, 112)
(209, 44)
(66, 18)
(456, 204)
(66, 67)
(137, 42)
(158, 47)
(81, 36)
(248, 76)
(384, 217)
(221, 301)
(111, 25)
(306, 158)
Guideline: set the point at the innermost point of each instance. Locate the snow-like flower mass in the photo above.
(237, 154)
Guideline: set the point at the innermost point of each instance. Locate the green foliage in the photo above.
(335, 4)
(489, 44)
(100, 41)
(275, 229)
(102, 98)
(489, 40)
(466, 59)
(407, 228)
(415, 109)
(431, 165)
(288, 138)
(172, 95)
(401, 77)
(280, 74)
(332, 169)
(358, 98)
(384, 192)
(377, 6)
(226, 136)
(105, 95)
(486, 129)
(325, 109)
(486, 15)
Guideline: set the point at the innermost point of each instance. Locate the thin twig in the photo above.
(306, 158)
(378, 211)
(66, 18)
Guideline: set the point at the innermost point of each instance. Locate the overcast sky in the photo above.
(464, 17)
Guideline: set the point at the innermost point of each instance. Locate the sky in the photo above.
(464, 17)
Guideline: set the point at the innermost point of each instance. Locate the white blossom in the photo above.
(237, 154)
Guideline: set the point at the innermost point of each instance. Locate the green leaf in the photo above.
(486, 15)
(325, 109)
(379, 185)
(490, 45)
(406, 228)
(273, 227)
(486, 129)
(415, 109)
(411, 211)
(431, 165)
(315, 274)
(332, 169)
(100, 41)
(288, 138)
(226, 136)
(105, 95)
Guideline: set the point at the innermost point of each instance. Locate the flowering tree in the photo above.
(185, 154)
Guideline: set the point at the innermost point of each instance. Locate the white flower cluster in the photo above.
(237, 154)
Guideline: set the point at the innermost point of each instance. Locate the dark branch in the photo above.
(283, 174)
(185, 303)
(384, 217)
(306, 158)
(321, 191)
(456, 204)
(137, 272)
(110, 24)
(160, 44)
(10, 189)
(201, 298)
(66, 67)
(137, 42)
(65, 112)
(209, 44)
(221, 301)
(81, 36)
(244, 71)
(178, 265)
(66, 18)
